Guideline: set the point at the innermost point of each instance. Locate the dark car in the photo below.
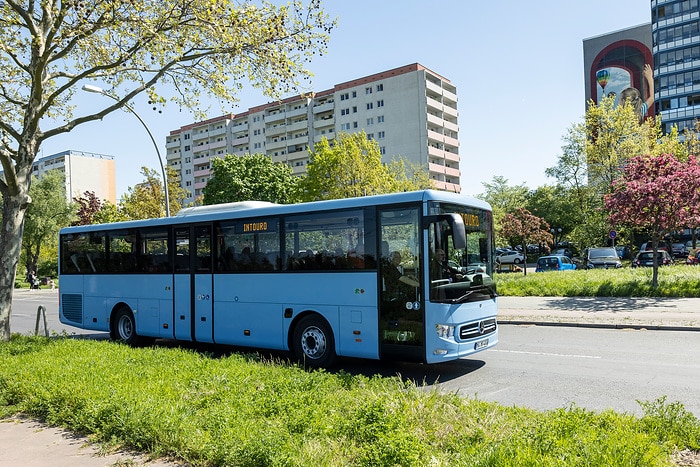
(646, 259)
(554, 263)
(602, 257)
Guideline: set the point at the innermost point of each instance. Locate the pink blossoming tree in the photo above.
(656, 195)
(522, 227)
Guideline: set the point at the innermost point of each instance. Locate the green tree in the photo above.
(165, 49)
(146, 200)
(613, 135)
(503, 199)
(351, 165)
(108, 213)
(250, 177)
(48, 212)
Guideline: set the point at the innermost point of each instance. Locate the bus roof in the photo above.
(263, 208)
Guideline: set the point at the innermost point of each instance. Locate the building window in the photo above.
(370, 121)
(187, 136)
(370, 135)
(382, 150)
(354, 124)
(354, 94)
(256, 132)
(257, 146)
(368, 90)
(345, 112)
(345, 126)
(344, 96)
(187, 148)
(354, 109)
(188, 160)
(380, 135)
(380, 87)
(380, 119)
(380, 103)
(370, 106)
(256, 119)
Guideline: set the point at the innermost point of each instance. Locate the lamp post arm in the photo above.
(98, 90)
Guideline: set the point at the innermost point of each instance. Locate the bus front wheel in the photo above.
(313, 343)
(124, 327)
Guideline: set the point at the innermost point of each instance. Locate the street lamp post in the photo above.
(98, 90)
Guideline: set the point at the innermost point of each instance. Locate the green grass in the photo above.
(674, 281)
(240, 410)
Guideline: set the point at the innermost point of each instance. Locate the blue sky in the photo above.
(517, 65)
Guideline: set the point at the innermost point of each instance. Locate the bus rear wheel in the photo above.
(123, 327)
(313, 343)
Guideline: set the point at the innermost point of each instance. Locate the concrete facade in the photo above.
(84, 171)
(409, 111)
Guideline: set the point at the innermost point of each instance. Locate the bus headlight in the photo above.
(445, 331)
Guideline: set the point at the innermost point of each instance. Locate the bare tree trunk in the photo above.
(13, 209)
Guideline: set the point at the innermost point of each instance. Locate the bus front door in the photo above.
(401, 303)
(193, 284)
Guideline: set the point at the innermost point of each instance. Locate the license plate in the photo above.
(481, 344)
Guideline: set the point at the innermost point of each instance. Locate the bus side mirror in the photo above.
(459, 235)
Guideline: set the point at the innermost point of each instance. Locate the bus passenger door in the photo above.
(401, 302)
(193, 283)
(203, 297)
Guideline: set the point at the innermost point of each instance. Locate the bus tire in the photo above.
(313, 343)
(123, 327)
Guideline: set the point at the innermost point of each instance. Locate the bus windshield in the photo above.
(460, 275)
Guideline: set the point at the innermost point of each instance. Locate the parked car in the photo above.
(646, 259)
(646, 246)
(510, 257)
(678, 250)
(554, 263)
(602, 257)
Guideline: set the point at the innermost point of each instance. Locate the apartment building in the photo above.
(675, 29)
(409, 111)
(84, 171)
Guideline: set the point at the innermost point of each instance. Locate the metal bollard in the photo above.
(41, 312)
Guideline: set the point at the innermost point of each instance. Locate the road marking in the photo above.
(595, 357)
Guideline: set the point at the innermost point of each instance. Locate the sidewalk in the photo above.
(607, 312)
(31, 444)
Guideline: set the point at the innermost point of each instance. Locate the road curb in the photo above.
(639, 327)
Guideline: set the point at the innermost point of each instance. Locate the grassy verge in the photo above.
(238, 410)
(674, 281)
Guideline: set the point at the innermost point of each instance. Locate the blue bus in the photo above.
(399, 276)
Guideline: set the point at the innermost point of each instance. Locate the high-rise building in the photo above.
(619, 64)
(84, 171)
(675, 29)
(409, 111)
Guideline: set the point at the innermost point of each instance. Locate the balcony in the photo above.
(450, 111)
(275, 116)
(272, 144)
(324, 122)
(303, 125)
(240, 140)
(291, 113)
(323, 107)
(275, 130)
(201, 173)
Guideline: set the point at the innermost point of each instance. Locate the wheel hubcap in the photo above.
(313, 342)
(126, 328)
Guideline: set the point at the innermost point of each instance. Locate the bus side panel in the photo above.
(248, 311)
(357, 334)
(256, 303)
(71, 304)
(152, 310)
